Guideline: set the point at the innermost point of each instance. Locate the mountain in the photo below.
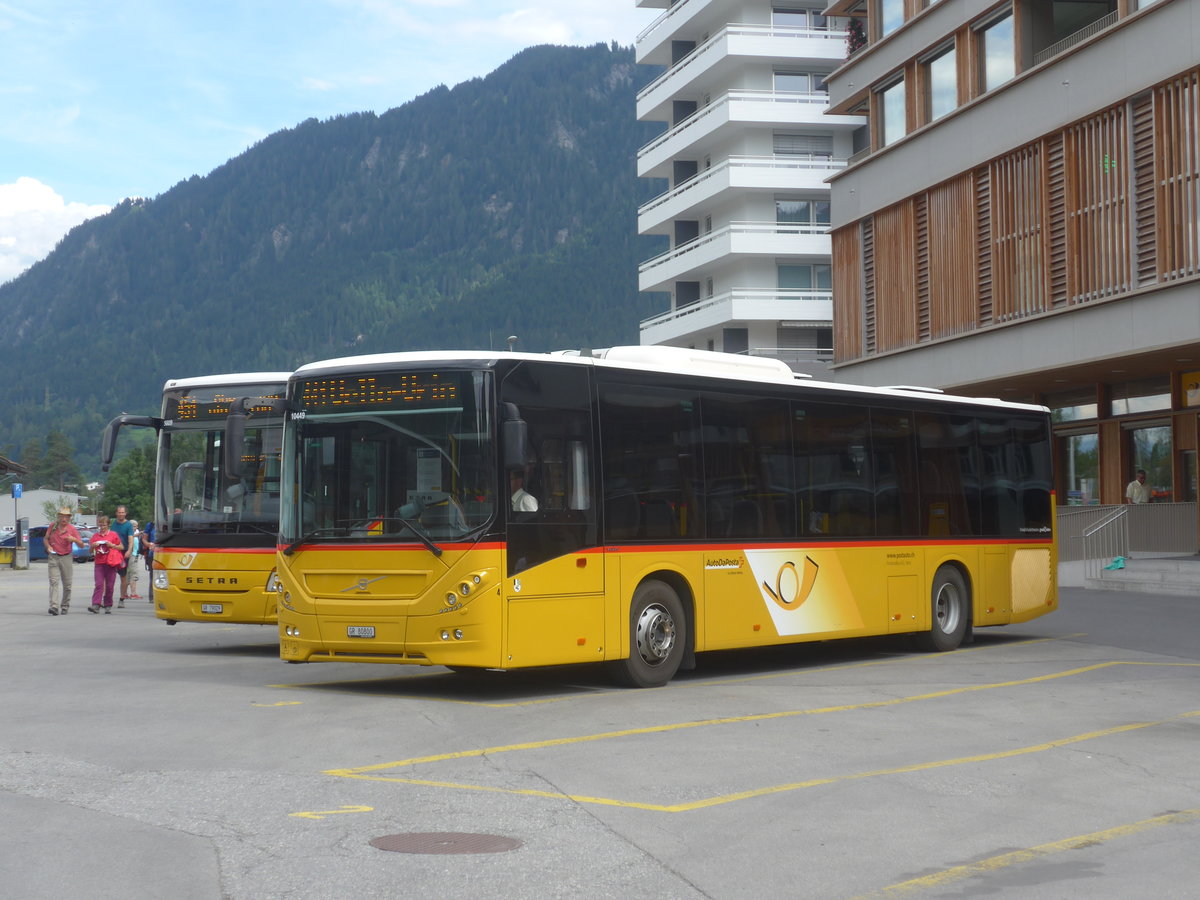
(506, 205)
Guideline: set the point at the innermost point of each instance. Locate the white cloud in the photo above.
(33, 218)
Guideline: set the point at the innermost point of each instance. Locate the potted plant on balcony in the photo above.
(856, 37)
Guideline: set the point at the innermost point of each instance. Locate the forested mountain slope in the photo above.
(506, 205)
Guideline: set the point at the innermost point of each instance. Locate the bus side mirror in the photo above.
(235, 430)
(234, 442)
(515, 435)
(108, 440)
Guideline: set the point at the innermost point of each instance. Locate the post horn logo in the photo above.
(792, 589)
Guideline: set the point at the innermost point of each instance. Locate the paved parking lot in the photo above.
(1053, 759)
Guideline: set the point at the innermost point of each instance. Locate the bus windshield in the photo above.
(388, 457)
(195, 494)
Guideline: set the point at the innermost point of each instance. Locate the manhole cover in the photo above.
(445, 842)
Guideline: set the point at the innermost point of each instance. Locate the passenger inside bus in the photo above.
(522, 500)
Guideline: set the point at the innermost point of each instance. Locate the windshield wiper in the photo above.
(313, 535)
(421, 536)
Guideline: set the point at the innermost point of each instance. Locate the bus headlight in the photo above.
(161, 582)
(274, 585)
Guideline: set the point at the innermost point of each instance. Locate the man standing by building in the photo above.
(1137, 491)
(124, 529)
(59, 538)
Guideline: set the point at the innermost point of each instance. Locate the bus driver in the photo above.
(522, 500)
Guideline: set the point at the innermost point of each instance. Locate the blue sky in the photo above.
(106, 99)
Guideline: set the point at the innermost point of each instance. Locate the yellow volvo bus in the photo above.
(640, 505)
(216, 518)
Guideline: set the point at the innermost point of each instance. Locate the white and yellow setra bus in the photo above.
(216, 517)
(640, 505)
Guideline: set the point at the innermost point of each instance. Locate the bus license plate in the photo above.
(361, 631)
(211, 608)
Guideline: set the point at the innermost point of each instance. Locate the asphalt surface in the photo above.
(1051, 759)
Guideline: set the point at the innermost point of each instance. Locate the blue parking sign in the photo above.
(16, 491)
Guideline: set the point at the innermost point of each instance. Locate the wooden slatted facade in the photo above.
(1089, 213)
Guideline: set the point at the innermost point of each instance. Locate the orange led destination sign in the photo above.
(212, 405)
(385, 390)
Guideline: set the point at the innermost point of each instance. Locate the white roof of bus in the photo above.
(674, 360)
(234, 378)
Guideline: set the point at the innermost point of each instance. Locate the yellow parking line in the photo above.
(732, 720)
(365, 772)
(1016, 857)
(722, 799)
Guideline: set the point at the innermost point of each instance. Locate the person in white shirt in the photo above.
(522, 500)
(1137, 490)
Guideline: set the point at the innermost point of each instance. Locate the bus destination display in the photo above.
(214, 405)
(388, 390)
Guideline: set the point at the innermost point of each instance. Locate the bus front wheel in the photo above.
(657, 637)
(950, 611)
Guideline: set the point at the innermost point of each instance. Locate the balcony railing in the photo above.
(817, 100)
(732, 230)
(671, 11)
(1076, 38)
(769, 31)
(783, 296)
(776, 163)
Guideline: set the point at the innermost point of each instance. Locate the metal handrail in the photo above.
(1106, 540)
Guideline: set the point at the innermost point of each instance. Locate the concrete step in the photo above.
(1153, 575)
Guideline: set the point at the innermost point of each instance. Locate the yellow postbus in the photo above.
(639, 505)
(216, 519)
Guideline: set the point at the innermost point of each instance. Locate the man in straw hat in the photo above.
(59, 538)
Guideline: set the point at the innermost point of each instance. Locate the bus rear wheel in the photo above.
(657, 637)
(950, 611)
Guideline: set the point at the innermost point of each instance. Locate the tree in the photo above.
(51, 507)
(131, 483)
(57, 466)
(31, 459)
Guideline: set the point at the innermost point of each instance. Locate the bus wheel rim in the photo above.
(655, 634)
(947, 608)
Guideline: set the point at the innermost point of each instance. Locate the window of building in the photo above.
(997, 51)
(1187, 467)
(1144, 395)
(803, 212)
(801, 82)
(1150, 449)
(1070, 406)
(891, 15)
(805, 276)
(1079, 463)
(941, 79)
(811, 19)
(807, 146)
(892, 124)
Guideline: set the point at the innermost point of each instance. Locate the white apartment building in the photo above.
(746, 151)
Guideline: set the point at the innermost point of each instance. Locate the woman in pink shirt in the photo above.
(106, 547)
